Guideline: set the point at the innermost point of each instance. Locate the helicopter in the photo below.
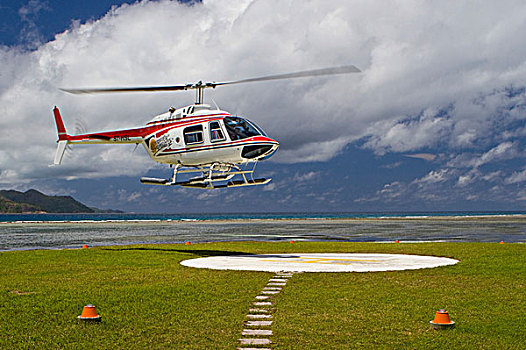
(197, 138)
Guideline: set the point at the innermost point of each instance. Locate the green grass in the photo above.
(148, 300)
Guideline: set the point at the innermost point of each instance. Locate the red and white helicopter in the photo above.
(195, 138)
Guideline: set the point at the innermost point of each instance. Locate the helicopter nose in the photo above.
(260, 151)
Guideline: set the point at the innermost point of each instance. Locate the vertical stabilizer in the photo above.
(62, 137)
(61, 129)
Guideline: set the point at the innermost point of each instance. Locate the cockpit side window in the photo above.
(193, 134)
(239, 128)
(216, 134)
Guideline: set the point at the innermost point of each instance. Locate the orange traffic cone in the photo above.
(85, 246)
(187, 243)
(291, 242)
(89, 314)
(501, 242)
(442, 320)
(397, 241)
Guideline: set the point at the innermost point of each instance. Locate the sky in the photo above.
(435, 121)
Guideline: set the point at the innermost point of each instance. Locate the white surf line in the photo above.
(260, 319)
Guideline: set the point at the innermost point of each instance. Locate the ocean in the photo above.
(57, 231)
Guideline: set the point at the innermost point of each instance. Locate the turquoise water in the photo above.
(238, 216)
(53, 231)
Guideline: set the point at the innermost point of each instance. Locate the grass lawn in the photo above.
(148, 300)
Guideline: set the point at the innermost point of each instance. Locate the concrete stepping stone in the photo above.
(254, 341)
(262, 303)
(272, 288)
(276, 284)
(258, 323)
(259, 310)
(258, 316)
(256, 332)
(278, 280)
(262, 297)
(270, 291)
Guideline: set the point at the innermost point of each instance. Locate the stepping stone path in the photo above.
(259, 318)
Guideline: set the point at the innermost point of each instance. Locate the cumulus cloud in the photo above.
(503, 151)
(409, 134)
(435, 75)
(433, 177)
(424, 156)
(517, 177)
(305, 176)
(30, 35)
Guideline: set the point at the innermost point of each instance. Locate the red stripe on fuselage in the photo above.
(244, 142)
(163, 127)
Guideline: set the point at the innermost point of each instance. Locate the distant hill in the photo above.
(33, 201)
(9, 206)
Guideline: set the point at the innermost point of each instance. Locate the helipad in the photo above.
(319, 262)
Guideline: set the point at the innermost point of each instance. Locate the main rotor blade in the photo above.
(126, 89)
(201, 85)
(306, 73)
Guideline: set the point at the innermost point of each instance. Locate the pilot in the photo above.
(239, 133)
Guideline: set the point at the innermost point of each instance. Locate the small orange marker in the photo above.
(89, 313)
(397, 241)
(85, 246)
(501, 242)
(187, 243)
(441, 320)
(291, 242)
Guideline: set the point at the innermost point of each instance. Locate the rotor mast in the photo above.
(199, 92)
(199, 88)
(199, 95)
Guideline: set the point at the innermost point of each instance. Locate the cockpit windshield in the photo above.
(239, 128)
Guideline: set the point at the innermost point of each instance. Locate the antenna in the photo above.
(217, 107)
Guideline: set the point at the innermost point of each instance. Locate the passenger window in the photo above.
(193, 134)
(216, 134)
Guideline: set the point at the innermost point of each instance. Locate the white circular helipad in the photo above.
(319, 262)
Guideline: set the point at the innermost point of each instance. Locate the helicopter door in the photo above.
(193, 135)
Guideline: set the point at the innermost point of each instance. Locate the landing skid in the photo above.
(210, 178)
(237, 183)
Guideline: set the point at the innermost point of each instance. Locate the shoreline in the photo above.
(133, 244)
(71, 234)
(475, 217)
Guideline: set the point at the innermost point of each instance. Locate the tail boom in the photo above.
(116, 136)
